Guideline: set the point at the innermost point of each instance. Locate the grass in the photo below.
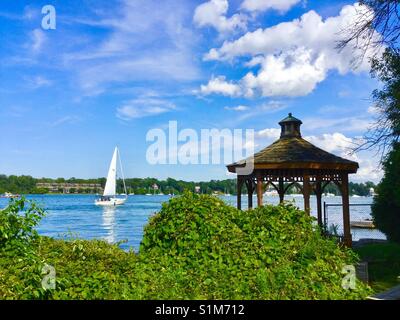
(383, 264)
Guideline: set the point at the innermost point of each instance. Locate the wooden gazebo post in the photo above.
(259, 191)
(240, 181)
(250, 190)
(346, 209)
(318, 194)
(281, 190)
(306, 193)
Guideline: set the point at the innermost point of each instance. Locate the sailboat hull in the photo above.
(110, 202)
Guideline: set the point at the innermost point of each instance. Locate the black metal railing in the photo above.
(355, 216)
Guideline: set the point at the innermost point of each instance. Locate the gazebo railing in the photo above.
(361, 228)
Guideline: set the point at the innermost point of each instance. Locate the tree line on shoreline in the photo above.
(140, 186)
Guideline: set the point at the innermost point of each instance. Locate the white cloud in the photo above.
(38, 38)
(291, 74)
(353, 123)
(269, 133)
(263, 5)
(156, 66)
(257, 111)
(293, 57)
(237, 108)
(30, 13)
(344, 93)
(369, 170)
(213, 13)
(336, 142)
(218, 85)
(144, 107)
(264, 108)
(146, 40)
(38, 82)
(65, 120)
(373, 110)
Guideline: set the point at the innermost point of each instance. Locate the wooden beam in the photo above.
(346, 210)
(348, 167)
(318, 193)
(306, 193)
(250, 190)
(281, 190)
(239, 192)
(298, 185)
(259, 191)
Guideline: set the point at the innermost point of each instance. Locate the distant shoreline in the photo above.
(142, 186)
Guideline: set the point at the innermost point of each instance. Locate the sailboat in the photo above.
(109, 195)
(148, 192)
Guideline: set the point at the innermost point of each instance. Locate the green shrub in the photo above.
(20, 266)
(203, 248)
(18, 222)
(386, 205)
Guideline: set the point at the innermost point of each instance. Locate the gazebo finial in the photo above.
(290, 127)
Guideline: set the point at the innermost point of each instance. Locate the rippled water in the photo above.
(78, 216)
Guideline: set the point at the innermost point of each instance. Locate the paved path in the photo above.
(391, 294)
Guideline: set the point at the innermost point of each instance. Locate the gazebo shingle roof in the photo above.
(296, 149)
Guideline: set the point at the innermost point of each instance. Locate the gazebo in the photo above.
(291, 160)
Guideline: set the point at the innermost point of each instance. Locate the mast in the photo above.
(122, 173)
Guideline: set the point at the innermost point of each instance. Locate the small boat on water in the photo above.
(148, 192)
(296, 195)
(363, 224)
(327, 194)
(272, 193)
(9, 195)
(109, 197)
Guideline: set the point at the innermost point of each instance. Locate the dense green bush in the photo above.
(386, 205)
(196, 247)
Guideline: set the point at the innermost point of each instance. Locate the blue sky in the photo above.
(113, 70)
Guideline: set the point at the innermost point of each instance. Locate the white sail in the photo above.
(110, 188)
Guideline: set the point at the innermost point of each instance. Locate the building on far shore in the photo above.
(54, 187)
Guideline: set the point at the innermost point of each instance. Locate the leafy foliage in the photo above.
(382, 17)
(383, 264)
(386, 128)
(196, 247)
(272, 252)
(18, 222)
(386, 205)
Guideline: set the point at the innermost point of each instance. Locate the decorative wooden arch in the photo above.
(291, 160)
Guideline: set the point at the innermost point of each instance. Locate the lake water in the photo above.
(78, 216)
